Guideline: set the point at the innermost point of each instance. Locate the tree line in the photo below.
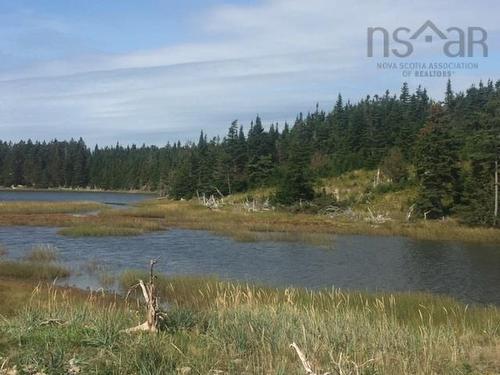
(449, 149)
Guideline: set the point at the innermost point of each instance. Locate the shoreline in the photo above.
(77, 190)
(153, 215)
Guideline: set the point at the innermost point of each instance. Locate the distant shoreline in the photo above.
(77, 190)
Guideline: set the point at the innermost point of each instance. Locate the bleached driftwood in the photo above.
(303, 359)
(410, 212)
(343, 365)
(377, 219)
(153, 314)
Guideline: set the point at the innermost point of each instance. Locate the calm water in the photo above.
(58, 196)
(470, 273)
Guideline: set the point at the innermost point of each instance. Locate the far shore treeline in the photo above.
(448, 149)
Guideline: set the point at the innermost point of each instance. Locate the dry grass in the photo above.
(234, 221)
(112, 225)
(229, 328)
(40, 207)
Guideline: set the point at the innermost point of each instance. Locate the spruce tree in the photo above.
(437, 167)
(297, 182)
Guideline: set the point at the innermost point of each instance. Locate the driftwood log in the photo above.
(153, 314)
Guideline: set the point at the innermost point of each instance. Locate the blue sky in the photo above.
(156, 71)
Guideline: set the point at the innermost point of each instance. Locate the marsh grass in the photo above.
(230, 328)
(42, 254)
(233, 221)
(106, 279)
(96, 230)
(112, 226)
(3, 251)
(38, 264)
(32, 271)
(46, 207)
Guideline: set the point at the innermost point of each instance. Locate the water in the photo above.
(58, 196)
(468, 272)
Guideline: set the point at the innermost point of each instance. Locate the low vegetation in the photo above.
(38, 265)
(360, 209)
(32, 271)
(236, 221)
(42, 254)
(42, 207)
(229, 328)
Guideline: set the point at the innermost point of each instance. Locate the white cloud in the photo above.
(275, 58)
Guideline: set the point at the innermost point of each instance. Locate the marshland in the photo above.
(377, 302)
(325, 262)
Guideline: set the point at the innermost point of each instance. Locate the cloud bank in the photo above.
(275, 58)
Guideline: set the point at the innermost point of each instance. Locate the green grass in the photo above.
(32, 271)
(112, 226)
(42, 254)
(242, 329)
(96, 230)
(38, 265)
(42, 207)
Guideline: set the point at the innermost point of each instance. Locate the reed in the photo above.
(222, 327)
(32, 271)
(42, 254)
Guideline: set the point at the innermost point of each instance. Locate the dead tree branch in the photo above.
(153, 314)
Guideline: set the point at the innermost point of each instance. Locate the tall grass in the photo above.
(38, 264)
(32, 271)
(219, 327)
(42, 254)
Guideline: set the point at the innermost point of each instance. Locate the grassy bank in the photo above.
(234, 219)
(35, 207)
(38, 265)
(240, 224)
(76, 218)
(227, 328)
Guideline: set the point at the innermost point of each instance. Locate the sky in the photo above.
(155, 71)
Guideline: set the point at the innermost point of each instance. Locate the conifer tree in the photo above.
(437, 167)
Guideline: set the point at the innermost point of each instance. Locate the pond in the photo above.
(112, 198)
(469, 272)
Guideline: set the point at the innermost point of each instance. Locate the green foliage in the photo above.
(479, 196)
(387, 131)
(437, 167)
(32, 271)
(394, 166)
